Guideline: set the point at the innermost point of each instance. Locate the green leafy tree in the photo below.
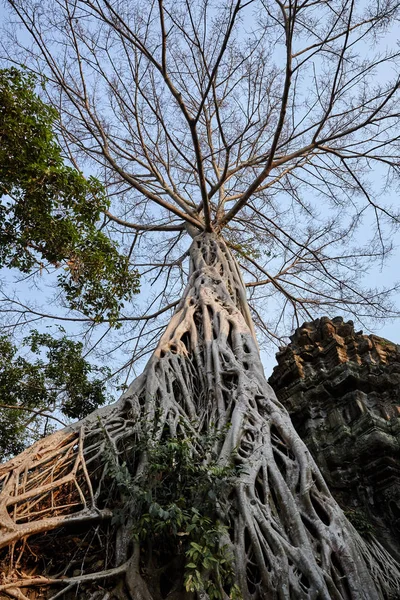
(52, 385)
(50, 216)
(49, 212)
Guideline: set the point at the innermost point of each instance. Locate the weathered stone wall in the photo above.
(342, 389)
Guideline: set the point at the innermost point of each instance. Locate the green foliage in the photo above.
(57, 378)
(174, 504)
(360, 520)
(247, 249)
(49, 211)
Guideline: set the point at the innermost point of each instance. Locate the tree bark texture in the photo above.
(288, 537)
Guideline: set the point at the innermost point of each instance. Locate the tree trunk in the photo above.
(286, 536)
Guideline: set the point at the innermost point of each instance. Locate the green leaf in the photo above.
(196, 546)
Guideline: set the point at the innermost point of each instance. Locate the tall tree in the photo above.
(49, 211)
(198, 122)
(50, 215)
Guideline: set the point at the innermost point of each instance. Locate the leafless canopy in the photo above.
(274, 123)
(272, 130)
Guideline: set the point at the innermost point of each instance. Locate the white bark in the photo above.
(289, 537)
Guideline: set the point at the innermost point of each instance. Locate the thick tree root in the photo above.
(289, 538)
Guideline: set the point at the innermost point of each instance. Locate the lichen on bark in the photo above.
(287, 536)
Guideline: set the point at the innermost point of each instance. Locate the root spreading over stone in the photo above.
(287, 536)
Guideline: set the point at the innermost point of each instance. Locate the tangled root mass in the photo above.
(287, 537)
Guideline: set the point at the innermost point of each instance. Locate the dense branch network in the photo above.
(241, 119)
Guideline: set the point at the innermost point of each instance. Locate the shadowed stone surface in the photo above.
(342, 389)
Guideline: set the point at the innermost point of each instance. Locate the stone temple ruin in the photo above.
(342, 390)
